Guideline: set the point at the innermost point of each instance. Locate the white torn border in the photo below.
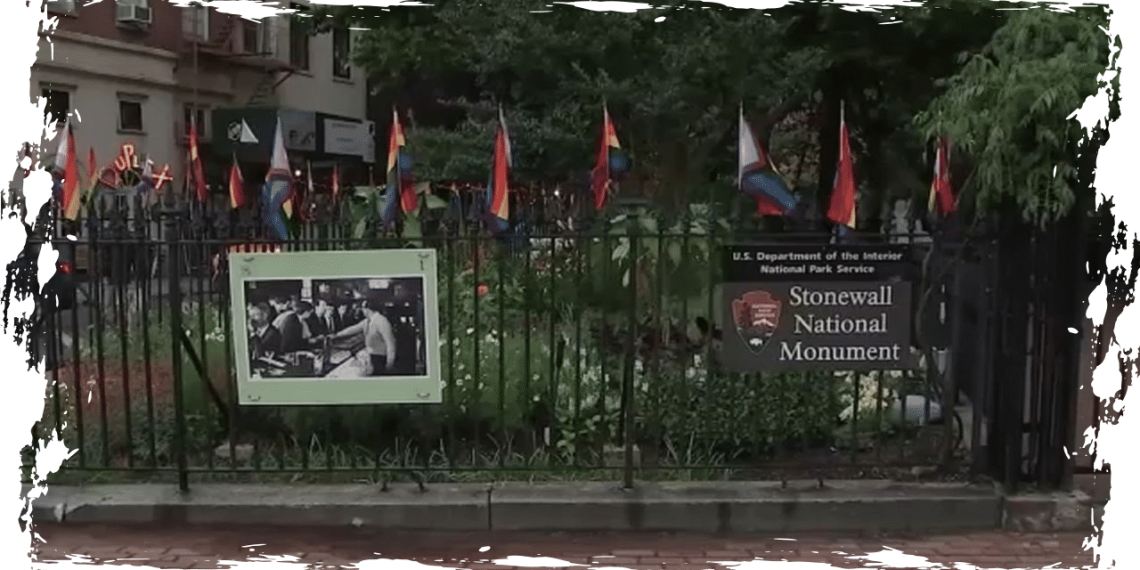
(25, 392)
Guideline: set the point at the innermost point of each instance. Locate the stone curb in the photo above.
(677, 507)
(1052, 512)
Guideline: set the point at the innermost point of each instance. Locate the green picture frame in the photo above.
(333, 347)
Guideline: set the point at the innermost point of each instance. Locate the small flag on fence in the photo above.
(498, 213)
(237, 186)
(277, 191)
(757, 176)
(609, 153)
(941, 192)
(399, 185)
(146, 179)
(67, 173)
(842, 208)
(308, 200)
(92, 180)
(198, 183)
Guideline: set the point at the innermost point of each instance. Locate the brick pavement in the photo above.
(332, 548)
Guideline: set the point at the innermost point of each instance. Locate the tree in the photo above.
(1010, 107)
(673, 86)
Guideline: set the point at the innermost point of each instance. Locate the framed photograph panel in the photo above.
(336, 327)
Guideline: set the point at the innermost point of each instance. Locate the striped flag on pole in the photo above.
(198, 179)
(941, 192)
(842, 208)
(609, 145)
(278, 189)
(757, 175)
(236, 186)
(498, 208)
(67, 173)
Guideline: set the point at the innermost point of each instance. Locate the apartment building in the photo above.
(135, 71)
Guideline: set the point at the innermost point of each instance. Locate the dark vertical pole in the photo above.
(950, 374)
(630, 355)
(173, 256)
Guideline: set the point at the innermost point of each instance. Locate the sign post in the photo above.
(825, 307)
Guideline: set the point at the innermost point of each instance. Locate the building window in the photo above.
(299, 27)
(196, 22)
(251, 36)
(203, 128)
(58, 105)
(259, 38)
(61, 6)
(131, 114)
(342, 53)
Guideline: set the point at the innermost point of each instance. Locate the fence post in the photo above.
(174, 289)
(630, 355)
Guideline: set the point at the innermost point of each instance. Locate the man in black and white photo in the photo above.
(288, 324)
(379, 340)
(265, 340)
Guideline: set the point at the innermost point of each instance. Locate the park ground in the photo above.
(189, 547)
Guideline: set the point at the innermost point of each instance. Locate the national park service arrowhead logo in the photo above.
(756, 315)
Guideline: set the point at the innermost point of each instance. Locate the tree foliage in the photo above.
(1011, 108)
(674, 86)
(674, 76)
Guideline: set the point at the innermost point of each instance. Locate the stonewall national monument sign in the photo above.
(818, 307)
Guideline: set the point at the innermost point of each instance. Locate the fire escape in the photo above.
(250, 45)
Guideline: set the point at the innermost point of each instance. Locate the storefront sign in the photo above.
(817, 307)
(350, 138)
(248, 132)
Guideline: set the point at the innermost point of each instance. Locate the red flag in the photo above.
(397, 172)
(198, 180)
(237, 188)
(767, 208)
(499, 202)
(842, 209)
(70, 187)
(601, 182)
(941, 192)
(92, 170)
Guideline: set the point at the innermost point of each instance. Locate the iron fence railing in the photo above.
(574, 354)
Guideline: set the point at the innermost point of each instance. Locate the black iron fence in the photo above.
(586, 353)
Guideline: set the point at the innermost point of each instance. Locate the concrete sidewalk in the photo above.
(677, 507)
(209, 547)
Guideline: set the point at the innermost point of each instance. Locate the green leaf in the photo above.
(358, 232)
(675, 252)
(412, 228)
(622, 250)
(434, 202)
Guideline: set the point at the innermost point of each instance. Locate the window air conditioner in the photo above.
(133, 14)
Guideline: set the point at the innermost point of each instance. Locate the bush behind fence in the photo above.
(535, 344)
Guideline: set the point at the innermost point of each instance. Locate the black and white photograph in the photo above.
(335, 328)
